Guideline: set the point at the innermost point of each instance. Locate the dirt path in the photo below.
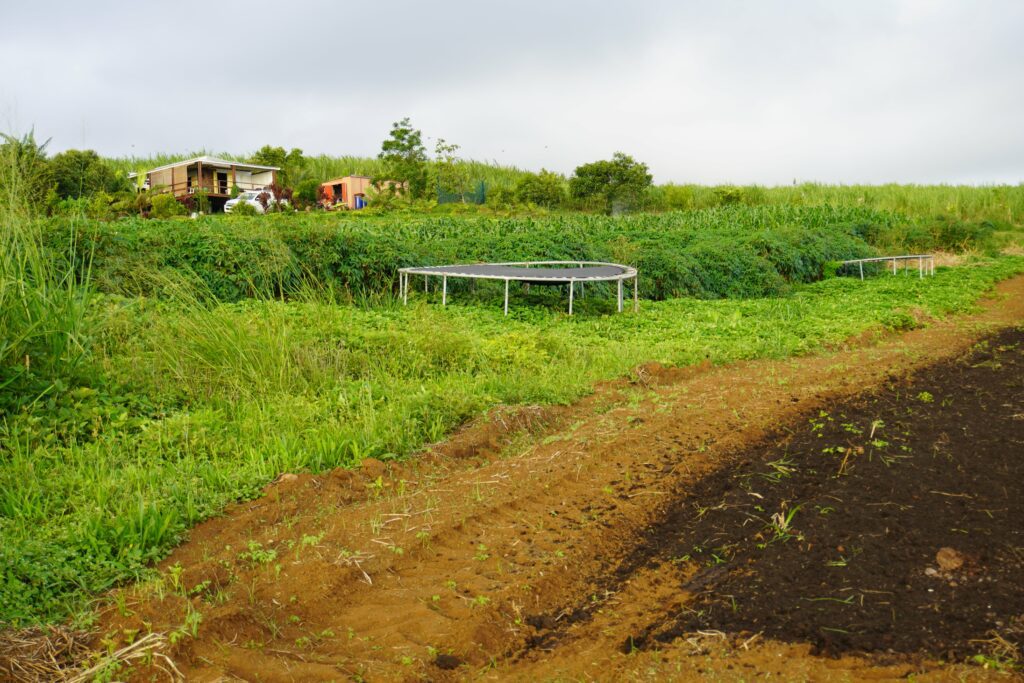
(525, 547)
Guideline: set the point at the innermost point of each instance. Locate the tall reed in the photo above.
(42, 303)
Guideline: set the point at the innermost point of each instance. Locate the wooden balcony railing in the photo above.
(211, 187)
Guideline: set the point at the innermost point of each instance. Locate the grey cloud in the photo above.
(704, 92)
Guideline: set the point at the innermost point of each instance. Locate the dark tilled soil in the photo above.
(846, 530)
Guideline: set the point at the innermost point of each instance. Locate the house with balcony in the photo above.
(215, 177)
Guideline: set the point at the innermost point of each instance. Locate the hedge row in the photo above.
(731, 252)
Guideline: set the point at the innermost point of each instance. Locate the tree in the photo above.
(405, 158)
(617, 183)
(292, 164)
(451, 172)
(25, 175)
(82, 173)
(543, 189)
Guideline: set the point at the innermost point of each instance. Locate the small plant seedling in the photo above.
(257, 554)
(174, 571)
(481, 553)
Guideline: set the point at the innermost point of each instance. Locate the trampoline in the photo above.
(545, 273)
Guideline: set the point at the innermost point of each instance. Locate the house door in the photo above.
(222, 182)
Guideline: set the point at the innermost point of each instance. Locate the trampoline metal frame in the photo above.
(925, 263)
(628, 273)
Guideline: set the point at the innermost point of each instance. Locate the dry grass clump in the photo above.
(53, 653)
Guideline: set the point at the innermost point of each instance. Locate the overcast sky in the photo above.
(711, 91)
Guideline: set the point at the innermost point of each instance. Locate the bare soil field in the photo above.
(851, 515)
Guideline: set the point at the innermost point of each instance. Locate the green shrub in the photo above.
(306, 192)
(166, 206)
(543, 189)
(244, 209)
(726, 252)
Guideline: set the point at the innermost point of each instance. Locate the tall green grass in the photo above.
(43, 301)
(999, 203)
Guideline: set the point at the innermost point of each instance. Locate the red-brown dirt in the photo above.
(523, 547)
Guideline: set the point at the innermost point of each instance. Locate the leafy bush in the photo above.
(82, 173)
(244, 209)
(166, 206)
(616, 184)
(738, 251)
(543, 189)
(307, 192)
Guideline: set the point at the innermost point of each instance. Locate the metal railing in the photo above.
(925, 263)
(208, 186)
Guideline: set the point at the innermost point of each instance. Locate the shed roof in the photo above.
(215, 162)
(335, 181)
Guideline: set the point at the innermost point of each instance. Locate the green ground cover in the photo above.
(181, 406)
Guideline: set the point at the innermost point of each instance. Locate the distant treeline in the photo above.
(1003, 203)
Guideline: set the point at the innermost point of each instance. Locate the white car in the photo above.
(249, 197)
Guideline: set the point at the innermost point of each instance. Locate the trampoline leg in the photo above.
(920, 267)
(636, 298)
(932, 266)
(444, 291)
(405, 289)
(619, 300)
(426, 284)
(506, 297)
(861, 264)
(572, 292)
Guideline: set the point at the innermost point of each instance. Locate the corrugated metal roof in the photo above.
(344, 177)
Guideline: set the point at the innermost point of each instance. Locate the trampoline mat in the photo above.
(536, 275)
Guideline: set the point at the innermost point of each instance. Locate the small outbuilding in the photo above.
(349, 191)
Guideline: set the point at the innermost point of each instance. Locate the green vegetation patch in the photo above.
(728, 252)
(181, 407)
